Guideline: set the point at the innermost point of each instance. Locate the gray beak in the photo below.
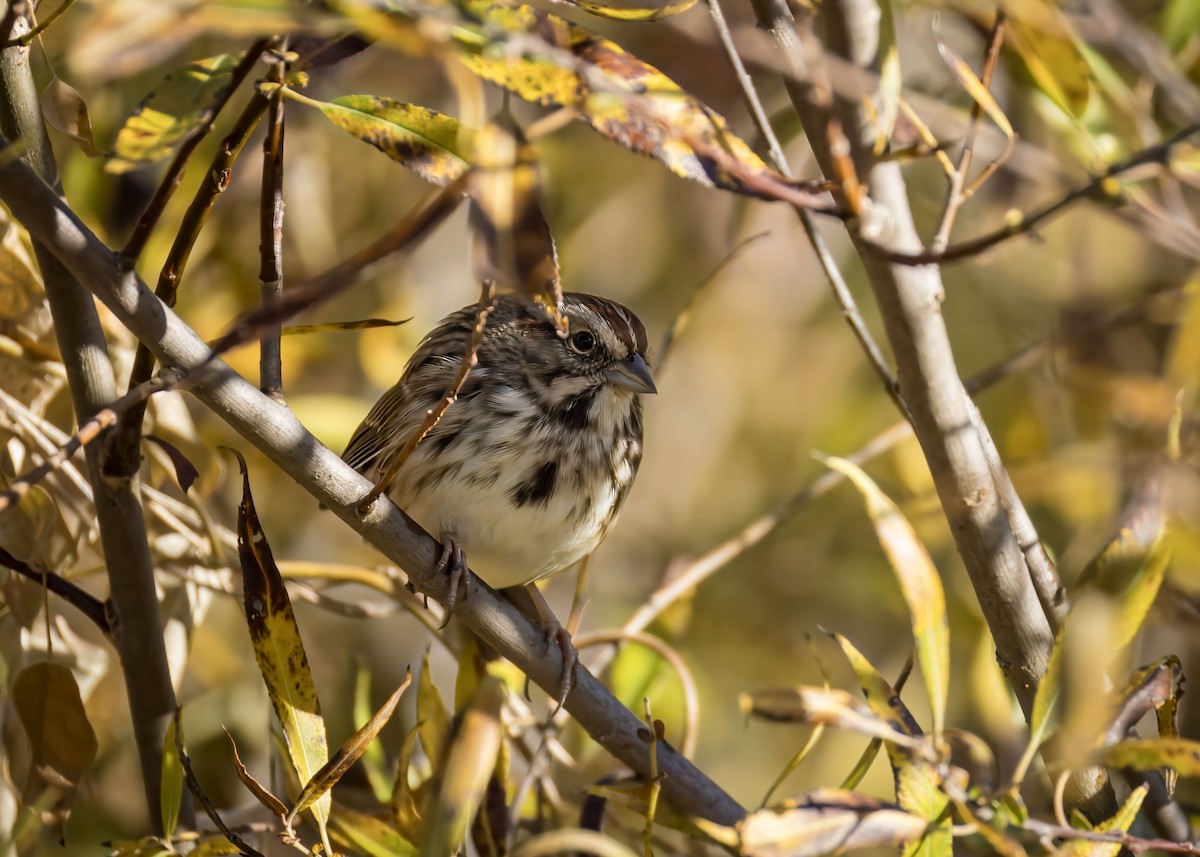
(632, 375)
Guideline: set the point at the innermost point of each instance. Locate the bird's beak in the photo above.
(632, 375)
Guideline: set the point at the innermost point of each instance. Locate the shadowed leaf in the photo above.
(348, 753)
(66, 112)
(919, 582)
(464, 773)
(186, 473)
(373, 758)
(328, 326)
(279, 650)
(405, 814)
(62, 743)
(182, 101)
(512, 245)
(429, 143)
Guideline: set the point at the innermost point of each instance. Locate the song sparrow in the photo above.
(526, 471)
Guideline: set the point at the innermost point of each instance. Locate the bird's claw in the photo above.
(559, 636)
(453, 561)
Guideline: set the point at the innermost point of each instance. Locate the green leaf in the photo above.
(918, 790)
(373, 758)
(919, 582)
(1121, 821)
(349, 753)
(1179, 23)
(279, 650)
(183, 101)
(632, 13)
(431, 144)
(367, 834)
(170, 783)
(433, 720)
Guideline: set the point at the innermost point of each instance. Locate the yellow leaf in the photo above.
(919, 582)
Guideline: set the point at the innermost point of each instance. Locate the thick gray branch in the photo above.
(272, 428)
(136, 628)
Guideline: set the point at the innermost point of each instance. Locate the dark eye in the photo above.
(583, 342)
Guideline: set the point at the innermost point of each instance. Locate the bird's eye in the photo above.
(583, 342)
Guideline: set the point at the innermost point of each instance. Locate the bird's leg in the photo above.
(454, 562)
(530, 601)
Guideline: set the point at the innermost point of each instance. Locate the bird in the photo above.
(526, 471)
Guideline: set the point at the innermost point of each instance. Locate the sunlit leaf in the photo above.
(341, 761)
(890, 78)
(830, 706)
(467, 767)
(975, 88)
(1041, 36)
(1145, 754)
(919, 791)
(431, 144)
(633, 13)
(182, 101)
(919, 582)
(279, 650)
(621, 97)
(369, 835)
(1122, 821)
(826, 821)
(61, 740)
(65, 111)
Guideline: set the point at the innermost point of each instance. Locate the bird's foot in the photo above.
(556, 635)
(453, 562)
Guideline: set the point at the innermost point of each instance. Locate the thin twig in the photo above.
(82, 600)
(956, 193)
(87, 432)
(320, 471)
(829, 266)
(41, 27)
(270, 238)
(1097, 188)
(125, 447)
(170, 180)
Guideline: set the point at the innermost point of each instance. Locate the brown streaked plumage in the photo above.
(527, 470)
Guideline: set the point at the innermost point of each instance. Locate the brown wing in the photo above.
(372, 436)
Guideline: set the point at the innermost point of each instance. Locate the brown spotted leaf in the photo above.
(1180, 754)
(183, 100)
(431, 144)
(624, 99)
(61, 740)
(279, 650)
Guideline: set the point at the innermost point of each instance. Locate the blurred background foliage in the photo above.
(764, 375)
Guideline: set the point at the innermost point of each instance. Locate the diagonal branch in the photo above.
(272, 428)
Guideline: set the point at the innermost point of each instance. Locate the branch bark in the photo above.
(137, 630)
(910, 297)
(276, 432)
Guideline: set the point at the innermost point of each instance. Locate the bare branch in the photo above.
(275, 431)
(82, 600)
